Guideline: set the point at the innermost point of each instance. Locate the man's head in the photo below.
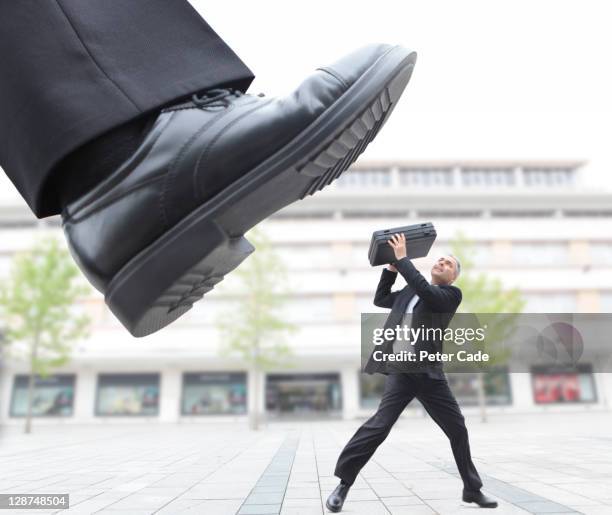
(445, 270)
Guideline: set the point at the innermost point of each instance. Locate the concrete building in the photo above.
(532, 224)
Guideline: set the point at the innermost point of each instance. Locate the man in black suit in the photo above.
(432, 306)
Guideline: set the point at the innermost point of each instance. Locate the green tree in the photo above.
(37, 305)
(256, 331)
(485, 294)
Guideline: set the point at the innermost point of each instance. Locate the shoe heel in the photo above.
(157, 287)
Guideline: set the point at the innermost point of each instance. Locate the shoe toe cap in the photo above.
(334, 504)
(350, 67)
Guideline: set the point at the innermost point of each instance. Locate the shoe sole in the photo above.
(485, 506)
(162, 282)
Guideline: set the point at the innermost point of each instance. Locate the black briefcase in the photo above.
(419, 239)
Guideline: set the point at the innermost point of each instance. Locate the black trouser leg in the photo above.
(400, 389)
(442, 406)
(72, 70)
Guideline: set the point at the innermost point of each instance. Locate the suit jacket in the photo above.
(435, 309)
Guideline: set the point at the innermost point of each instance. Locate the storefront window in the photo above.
(371, 387)
(464, 387)
(556, 385)
(53, 396)
(128, 395)
(214, 393)
(496, 387)
(303, 394)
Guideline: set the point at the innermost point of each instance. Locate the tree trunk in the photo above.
(31, 381)
(2, 344)
(482, 401)
(254, 416)
(255, 404)
(28, 420)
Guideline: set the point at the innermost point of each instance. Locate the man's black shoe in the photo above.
(479, 498)
(165, 227)
(336, 499)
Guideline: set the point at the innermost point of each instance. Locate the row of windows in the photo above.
(560, 302)
(549, 385)
(322, 256)
(476, 176)
(330, 309)
(348, 214)
(351, 214)
(133, 394)
(318, 256)
(225, 393)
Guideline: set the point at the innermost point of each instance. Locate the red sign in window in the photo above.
(549, 388)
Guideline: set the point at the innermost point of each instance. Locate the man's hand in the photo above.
(391, 268)
(398, 244)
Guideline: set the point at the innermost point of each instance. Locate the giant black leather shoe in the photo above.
(165, 227)
(336, 499)
(479, 498)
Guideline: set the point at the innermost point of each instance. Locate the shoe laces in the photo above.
(218, 97)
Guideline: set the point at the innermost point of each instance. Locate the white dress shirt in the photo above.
(412, 303)
(402, 345)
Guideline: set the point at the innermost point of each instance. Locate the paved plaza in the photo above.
(540, 463)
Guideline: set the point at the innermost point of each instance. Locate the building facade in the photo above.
(533, 225)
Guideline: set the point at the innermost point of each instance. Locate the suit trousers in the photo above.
(73, 70)
(437, 399)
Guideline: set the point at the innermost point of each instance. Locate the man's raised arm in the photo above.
(384, 297)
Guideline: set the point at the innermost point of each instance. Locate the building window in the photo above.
(305, 257)
(364, 303)
(209, 314)
(556, 385)
(308, 309)
(606, 302)
(479, 253)
(587, 213)
(487, 177)
(214, 393)
(540, 253)
(359, 214)
(539, 176)
(6, 263)
(8, 223)
(553, 302)
(449, 213)
(496, 387)
(365, 178)
(601, 253)
(524, 213)
(303, 394)
(425, 177)
(371, 388)
(288, 214)
(127, 395)
(53, 396)
(53, 221)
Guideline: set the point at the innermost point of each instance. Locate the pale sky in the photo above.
(521, 79)
(493, 80)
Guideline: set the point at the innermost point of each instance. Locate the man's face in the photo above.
(444, 270)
